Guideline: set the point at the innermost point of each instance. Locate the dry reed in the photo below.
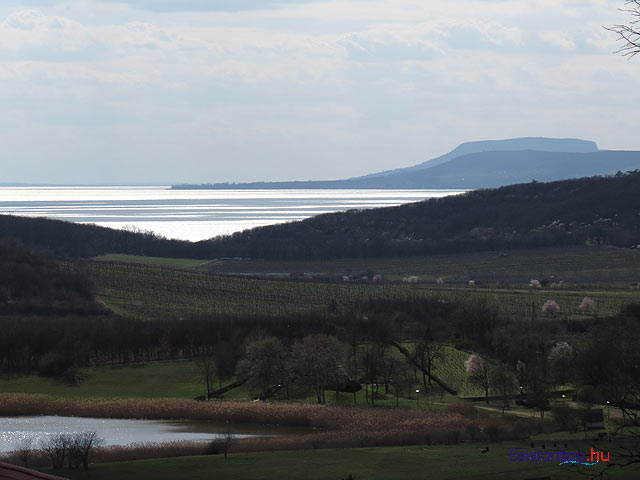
(334, 426)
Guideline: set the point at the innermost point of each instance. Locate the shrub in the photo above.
(493, 432)
(54, 364)
(566, 417)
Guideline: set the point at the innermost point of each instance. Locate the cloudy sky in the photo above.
(103, 91)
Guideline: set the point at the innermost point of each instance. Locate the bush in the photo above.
(73, 448)
(566, 417)
(54, 364)
(493, 432)
(466, 409)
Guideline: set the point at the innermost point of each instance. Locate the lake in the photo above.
(193, 214)
(13, 430)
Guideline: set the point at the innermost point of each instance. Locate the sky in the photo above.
(171, 91)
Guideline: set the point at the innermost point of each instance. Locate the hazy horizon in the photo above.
(139, 92)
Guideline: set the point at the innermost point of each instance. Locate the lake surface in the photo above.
(14, 430)
(193, 214)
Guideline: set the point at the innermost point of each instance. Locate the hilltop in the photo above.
(483, 164)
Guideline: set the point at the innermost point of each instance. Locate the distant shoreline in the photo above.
(300, 185)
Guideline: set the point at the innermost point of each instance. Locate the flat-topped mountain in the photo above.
(540, 144)
(482, 164)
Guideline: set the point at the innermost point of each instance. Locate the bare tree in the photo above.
(629, 33)
(371, 365)
(226, 442)
(503, 382)
(221, 443)
(56, 447)
(206, 366)
(83, 446)
(401, 381)
(426, 354)
(74, 448)
(24, 450)
(320, 361)
(264, 365)
(225, 357)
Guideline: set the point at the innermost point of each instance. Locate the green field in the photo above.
(416, 462)
(166, 262)
(176, 379)
(156, 292)
(152, 292)
(583, 264)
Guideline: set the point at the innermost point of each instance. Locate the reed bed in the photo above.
(330, 426)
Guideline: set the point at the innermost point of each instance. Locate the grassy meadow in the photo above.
(382, 463)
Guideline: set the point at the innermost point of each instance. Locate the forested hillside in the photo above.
(603, 210)
(35, 284)
(597, 209)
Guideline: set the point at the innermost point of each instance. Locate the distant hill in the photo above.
(539, 144)
(603, 210)
(570, 212)
(497, 168)
(482, 164)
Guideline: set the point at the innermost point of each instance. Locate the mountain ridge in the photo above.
(542, 144)
(549, 148)
(489, 169)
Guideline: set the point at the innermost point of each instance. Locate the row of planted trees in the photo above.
(321, 363)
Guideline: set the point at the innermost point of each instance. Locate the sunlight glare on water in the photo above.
(14, 430)
(193, 214)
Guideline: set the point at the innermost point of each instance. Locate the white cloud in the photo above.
(350, 86)
(561, 40)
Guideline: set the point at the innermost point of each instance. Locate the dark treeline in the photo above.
(55, 344)
(31, 283)
(72, 240)
(597, 209)
(58, 345)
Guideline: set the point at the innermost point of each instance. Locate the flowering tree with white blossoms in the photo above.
(560, 357)
(479, 373)
(551, 307)
(587, 305)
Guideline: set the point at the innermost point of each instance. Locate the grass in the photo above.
(409, 462)
(177, 379)
(166, 262)
(571, 264)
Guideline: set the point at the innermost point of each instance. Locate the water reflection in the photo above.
(14, 430)
(193, 214)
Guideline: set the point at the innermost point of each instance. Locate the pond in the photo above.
(14, 430)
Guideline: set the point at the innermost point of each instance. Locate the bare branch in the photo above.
(629, 34)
